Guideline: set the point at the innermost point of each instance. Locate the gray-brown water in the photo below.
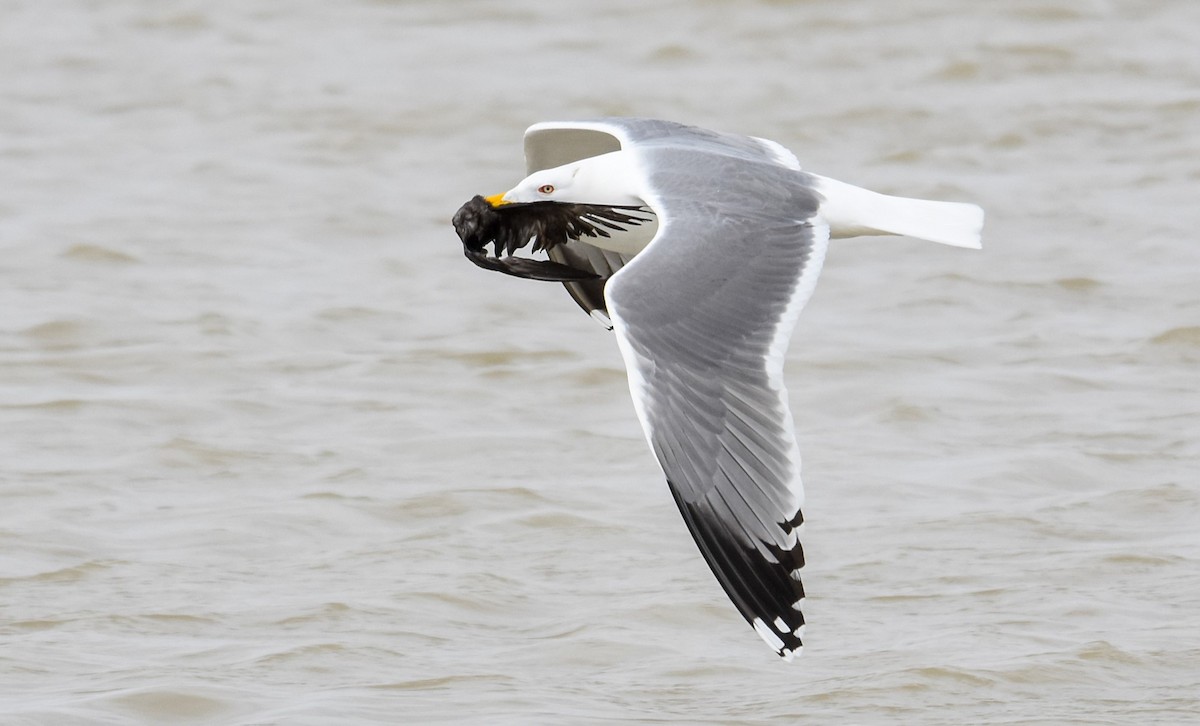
(273, 452)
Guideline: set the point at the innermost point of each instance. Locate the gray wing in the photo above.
(554, 143)
(703, 317)
(551, 144)
(589, 293)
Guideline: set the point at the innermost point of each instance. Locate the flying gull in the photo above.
(699, 249)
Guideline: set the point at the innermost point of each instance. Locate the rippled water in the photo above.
(273, 452)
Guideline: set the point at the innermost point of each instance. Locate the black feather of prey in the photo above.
(510, 227)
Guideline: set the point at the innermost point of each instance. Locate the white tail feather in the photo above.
(851, 211)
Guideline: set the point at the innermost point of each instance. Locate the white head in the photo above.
(605, 179)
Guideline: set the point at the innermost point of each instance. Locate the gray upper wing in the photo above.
(551, 144)
(703, 316)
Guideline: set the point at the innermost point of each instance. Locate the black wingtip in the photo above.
(767, 594)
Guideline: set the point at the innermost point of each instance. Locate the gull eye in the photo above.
(546, 188)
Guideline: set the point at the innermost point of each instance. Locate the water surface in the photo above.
(274, 452)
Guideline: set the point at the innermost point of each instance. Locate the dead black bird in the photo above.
(545, 225)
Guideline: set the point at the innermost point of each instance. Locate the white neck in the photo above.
(610, 179)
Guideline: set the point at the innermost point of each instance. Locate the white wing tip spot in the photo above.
(600, 317)
(764, 631)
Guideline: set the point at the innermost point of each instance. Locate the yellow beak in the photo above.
(495, 200)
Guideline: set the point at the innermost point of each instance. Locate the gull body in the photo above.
(703, 303)
(615, 179)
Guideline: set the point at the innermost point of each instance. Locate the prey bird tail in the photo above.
(852, 211)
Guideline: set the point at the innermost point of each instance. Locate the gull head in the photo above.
(603, 180)
(590, 199)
